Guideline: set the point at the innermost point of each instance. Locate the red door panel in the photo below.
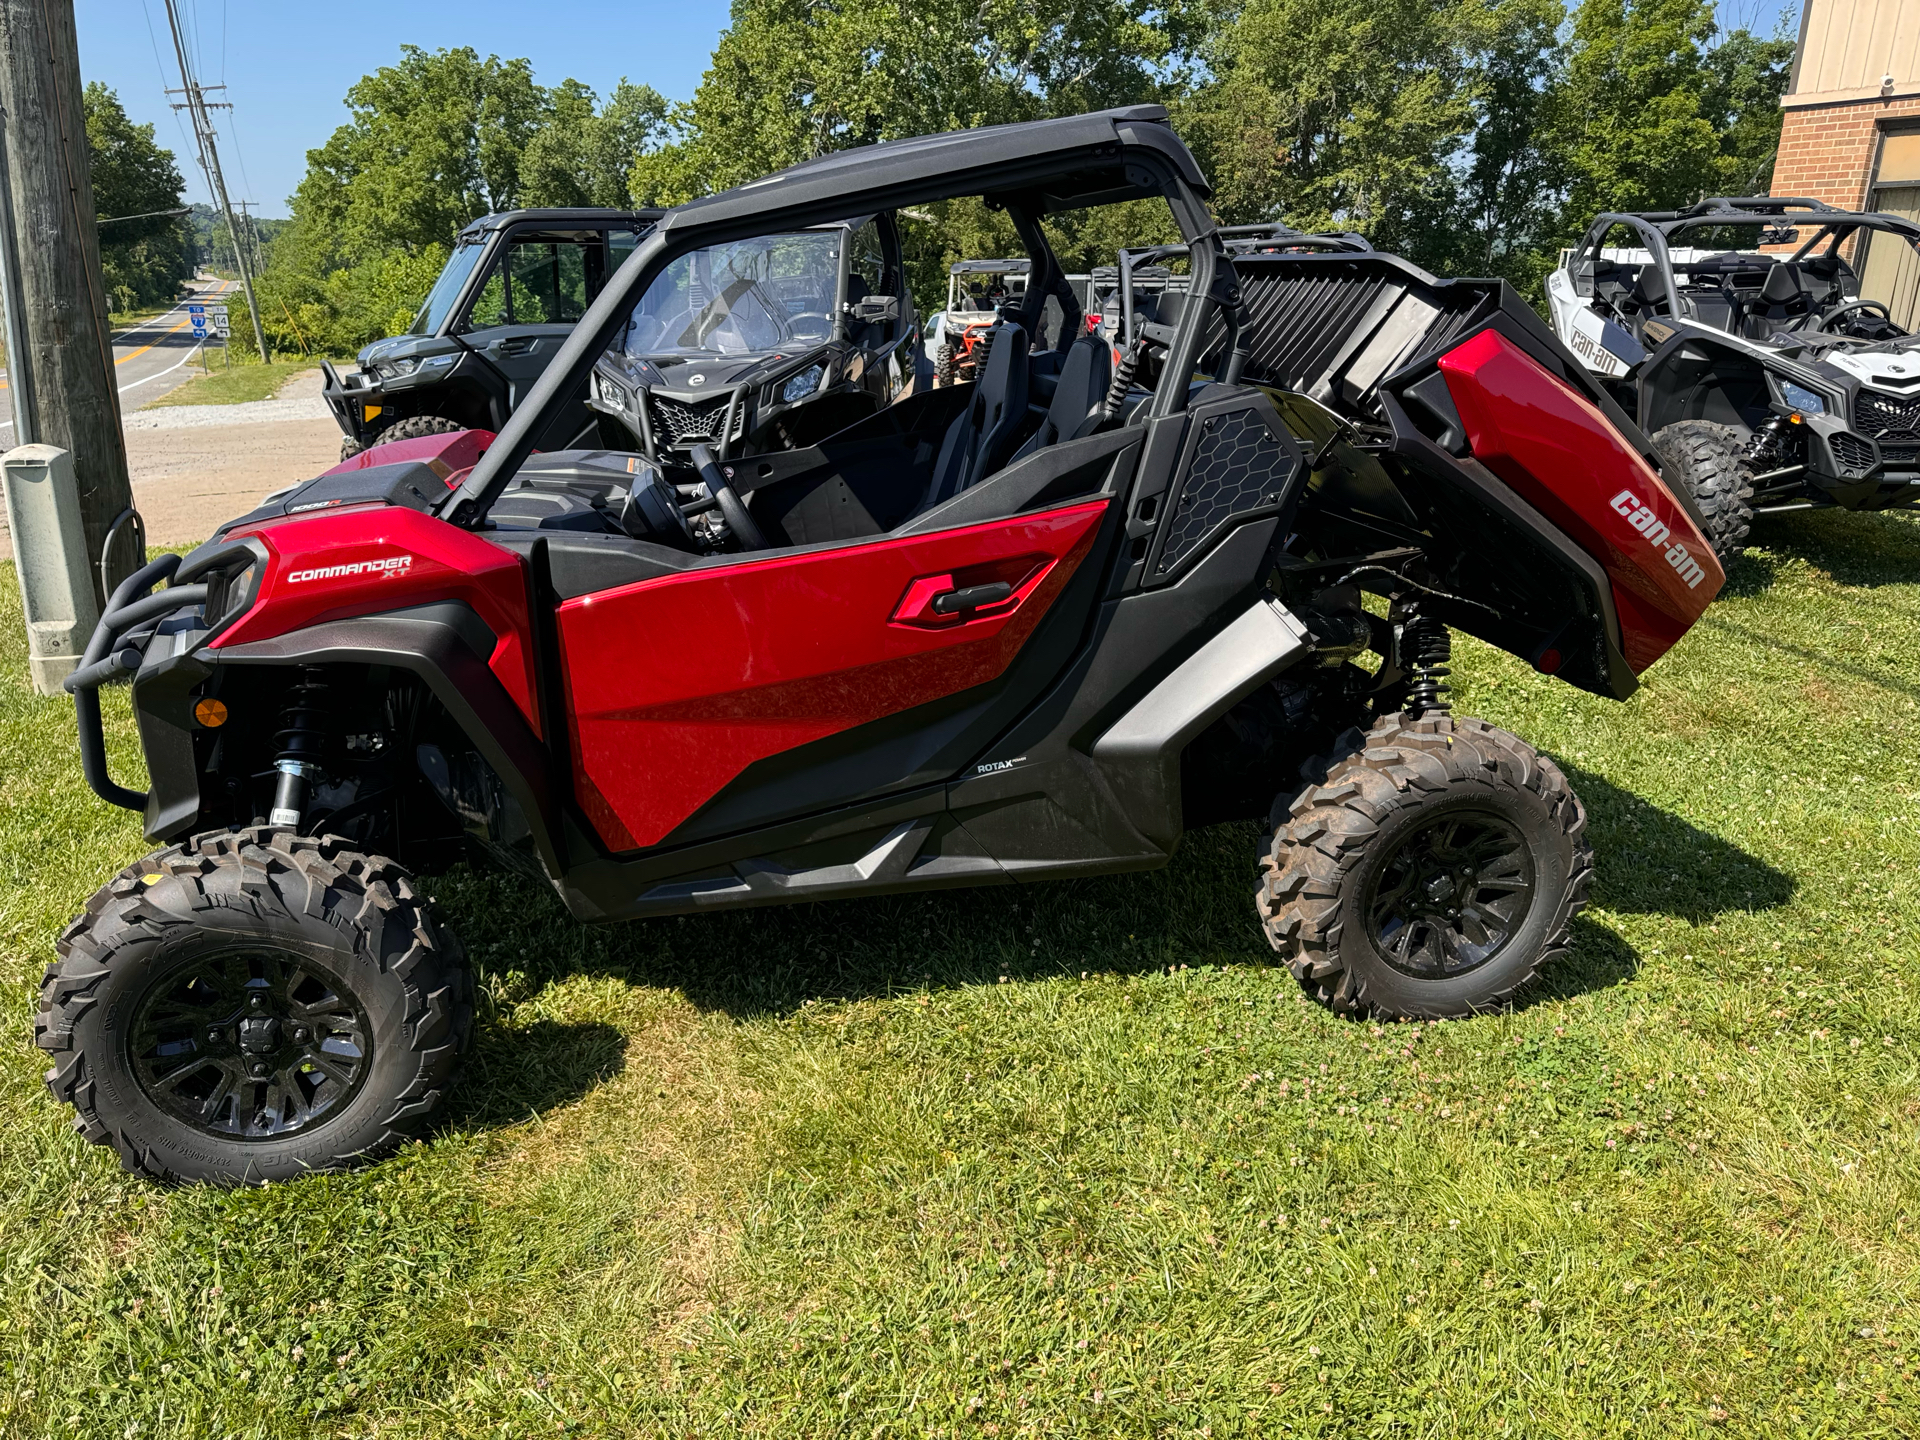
(676, 685)
(1562, 455)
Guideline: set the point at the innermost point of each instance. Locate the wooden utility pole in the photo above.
(197, 105)
(69, 348)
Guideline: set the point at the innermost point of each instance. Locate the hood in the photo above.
(395, 347)
(694, 377)
(1886, 365)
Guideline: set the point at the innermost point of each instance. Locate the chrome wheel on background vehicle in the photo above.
(254, 1005)
(1428, 868)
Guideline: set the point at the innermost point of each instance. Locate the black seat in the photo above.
(983, 435)
(1782, 301)
(1076, 397)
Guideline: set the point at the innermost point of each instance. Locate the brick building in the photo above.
(1851, 135)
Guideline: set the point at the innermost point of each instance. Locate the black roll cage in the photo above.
(1657, 227)
(1029, 170)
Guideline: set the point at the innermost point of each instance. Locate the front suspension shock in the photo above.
(300, 741)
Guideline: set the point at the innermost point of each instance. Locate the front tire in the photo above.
(1427, 869)
(1710, 462)
(416, 427)
(252, 1006)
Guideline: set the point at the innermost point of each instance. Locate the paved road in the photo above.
(147, 358)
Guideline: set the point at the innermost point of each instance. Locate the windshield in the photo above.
(741, 298)
(433, 314)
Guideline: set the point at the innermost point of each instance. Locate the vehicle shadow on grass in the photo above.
(517, 1071)
(1861, 549)
(1197, 911)
(1649, 861)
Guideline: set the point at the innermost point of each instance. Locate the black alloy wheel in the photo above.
(252, 1044)
(1452, 895)
(1425, 868)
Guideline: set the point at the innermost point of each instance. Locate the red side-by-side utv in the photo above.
(1034, 626)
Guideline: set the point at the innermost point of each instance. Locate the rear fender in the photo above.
(1560, 453)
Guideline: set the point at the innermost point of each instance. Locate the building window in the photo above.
(1892, 269)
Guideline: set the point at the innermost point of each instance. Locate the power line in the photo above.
(196, 105)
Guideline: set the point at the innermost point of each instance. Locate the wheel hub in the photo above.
(254, 1044)
(1451, 895)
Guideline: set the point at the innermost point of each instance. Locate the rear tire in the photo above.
(1427, 869)
(943, 366)
(254, 1005)
(416, 427)
(1710, 462)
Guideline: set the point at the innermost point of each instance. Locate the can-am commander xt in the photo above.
(507, 297)
(1035, 626)
(1766, 379)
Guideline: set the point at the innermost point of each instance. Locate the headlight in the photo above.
(804, 384)
(395, 369)
(1801, 398)
(609, 392)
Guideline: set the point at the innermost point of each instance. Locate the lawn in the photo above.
(235, 384)
(1078, 1160)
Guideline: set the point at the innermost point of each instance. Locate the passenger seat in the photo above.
(981, 438)
(1077, 396)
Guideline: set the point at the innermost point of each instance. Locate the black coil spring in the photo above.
(303, 721)
(1428, 650)
(1122, 380)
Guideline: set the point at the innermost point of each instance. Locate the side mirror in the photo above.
(874, 309)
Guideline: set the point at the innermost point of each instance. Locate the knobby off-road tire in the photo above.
(1710, 462)
(414, 427)
(943, 366)
(350, 447)
(247, 954)
(1427, 869)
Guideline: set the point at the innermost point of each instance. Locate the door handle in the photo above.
(951, 602)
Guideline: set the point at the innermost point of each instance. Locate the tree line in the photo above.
(1473, 136)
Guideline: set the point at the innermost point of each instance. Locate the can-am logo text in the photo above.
(388, 565)
(1641, 517)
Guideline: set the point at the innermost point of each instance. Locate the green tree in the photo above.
(584, 154)
(792, 79)
(1337, 113)
(143, 261)
(1746, 76)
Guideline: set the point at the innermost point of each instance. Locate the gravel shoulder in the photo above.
(194, 466)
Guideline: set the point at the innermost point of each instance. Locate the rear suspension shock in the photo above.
(300, 741)
(1426, 649)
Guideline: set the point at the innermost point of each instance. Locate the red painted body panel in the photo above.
(719, 668)
(450, 455)
(1562, 455)
(372, 558)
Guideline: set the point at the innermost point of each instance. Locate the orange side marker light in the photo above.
(211, 713)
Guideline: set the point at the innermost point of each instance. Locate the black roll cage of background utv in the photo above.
(1657, 227)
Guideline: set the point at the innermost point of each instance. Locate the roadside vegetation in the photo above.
(238, 383)
(1077, 1159)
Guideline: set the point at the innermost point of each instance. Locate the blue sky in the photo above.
(287, 65)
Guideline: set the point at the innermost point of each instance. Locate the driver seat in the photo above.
(1783, 300)
(982, 436)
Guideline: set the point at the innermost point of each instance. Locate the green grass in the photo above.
(235, 384)
(1078, 1160)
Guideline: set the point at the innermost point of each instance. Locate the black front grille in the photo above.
(1887, 418)
(1854, 455)
(1901, 457)
(679, 423)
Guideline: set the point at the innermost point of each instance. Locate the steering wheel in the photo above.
(732, 509)
(1852, 307)
(794, 328)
